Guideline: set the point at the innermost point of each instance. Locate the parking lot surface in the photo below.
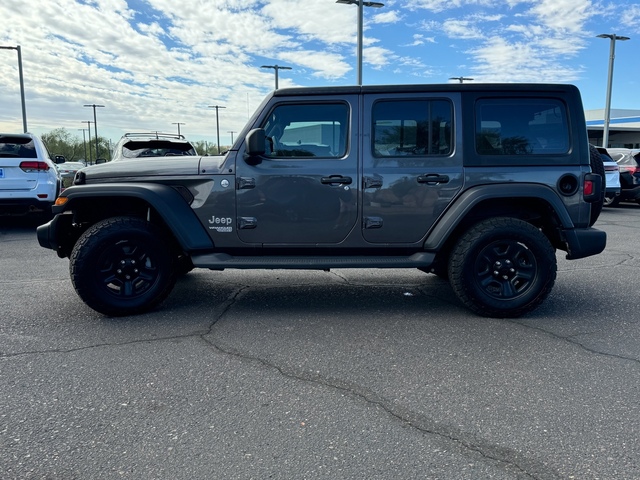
(371, 374)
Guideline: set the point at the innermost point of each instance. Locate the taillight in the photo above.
(31, 166)
(633, 170)
(588, 187)
(592, 187)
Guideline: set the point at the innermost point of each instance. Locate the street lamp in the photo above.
(231, 132)
(95, 125)
(178, 123)
(607, 107)
(88, 122)
(361, 6)
(460, 79)
(24, 108)
(84, 142)
(217, 124)
(276, 68)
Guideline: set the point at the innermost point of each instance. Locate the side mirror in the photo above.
(255, 142)
(254, 146)
(101, 160)
(59, 159)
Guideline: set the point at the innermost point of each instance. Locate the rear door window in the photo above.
(412, 128)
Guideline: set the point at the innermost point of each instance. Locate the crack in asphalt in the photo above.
(419, 422)
(411, 419)
(501, 455)
(572, 339)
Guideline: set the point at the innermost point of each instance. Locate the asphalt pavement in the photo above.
(348, 374)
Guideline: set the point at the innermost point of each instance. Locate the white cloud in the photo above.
(566, 16)
(462, 29)
(391, 16)
(165, 64)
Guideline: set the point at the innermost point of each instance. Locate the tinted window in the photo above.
(521, 127)
(412, 128)
(19, 147)
(156, 148)
(307, 130)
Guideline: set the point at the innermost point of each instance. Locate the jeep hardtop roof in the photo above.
(435, 87)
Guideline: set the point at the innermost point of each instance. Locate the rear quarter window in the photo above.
(521, 127)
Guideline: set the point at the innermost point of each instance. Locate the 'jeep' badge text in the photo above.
(221, 224)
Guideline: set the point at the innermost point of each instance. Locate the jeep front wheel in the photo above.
(122, 266)
(502, 267)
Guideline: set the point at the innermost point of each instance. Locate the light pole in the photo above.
(95, 125)
(607, 107)
(460, 79)
(88, 122)
(84, 142)
(217, 124)
(276, 68)
(361, 6)
(231, 132)
(24, 108)
(178, 123)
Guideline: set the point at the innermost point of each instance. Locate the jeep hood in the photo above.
(152, 167)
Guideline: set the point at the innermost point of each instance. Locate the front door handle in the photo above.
(433, 178)
(336, 180)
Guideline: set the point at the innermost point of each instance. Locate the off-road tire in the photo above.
(597, 166)
(502, 267)
(122, 266)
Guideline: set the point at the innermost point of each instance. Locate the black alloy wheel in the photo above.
(502, 267)
(122, 266)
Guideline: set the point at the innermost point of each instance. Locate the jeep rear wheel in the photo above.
(502, 267)
(122, 266)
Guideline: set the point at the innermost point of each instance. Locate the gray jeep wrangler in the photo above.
(479, 184)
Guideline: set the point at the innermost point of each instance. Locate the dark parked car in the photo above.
(629, 163)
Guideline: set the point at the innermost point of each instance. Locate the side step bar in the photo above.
(220, 261)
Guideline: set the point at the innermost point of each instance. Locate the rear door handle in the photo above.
(336, 180)
(433, 178)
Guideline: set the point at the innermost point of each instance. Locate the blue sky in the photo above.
(155, 63)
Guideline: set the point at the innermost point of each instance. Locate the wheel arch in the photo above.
(160, 204)
(534, 203)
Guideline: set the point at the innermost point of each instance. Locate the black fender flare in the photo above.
(166, 200)
(456, 213)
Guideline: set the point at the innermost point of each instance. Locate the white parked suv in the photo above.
(29, 179)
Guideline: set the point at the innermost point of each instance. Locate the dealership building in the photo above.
(624, 128)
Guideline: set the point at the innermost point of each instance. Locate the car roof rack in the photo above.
(157, 135)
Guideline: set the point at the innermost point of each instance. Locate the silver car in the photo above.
(612, 178)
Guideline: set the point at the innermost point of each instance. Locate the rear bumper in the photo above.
(584, 242)
(23, 206)
(630, 193)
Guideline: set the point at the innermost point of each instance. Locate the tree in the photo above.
(207, 148)
(61, 142)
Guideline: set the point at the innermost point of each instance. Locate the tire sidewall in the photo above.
(96, 245)
(466, 255)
